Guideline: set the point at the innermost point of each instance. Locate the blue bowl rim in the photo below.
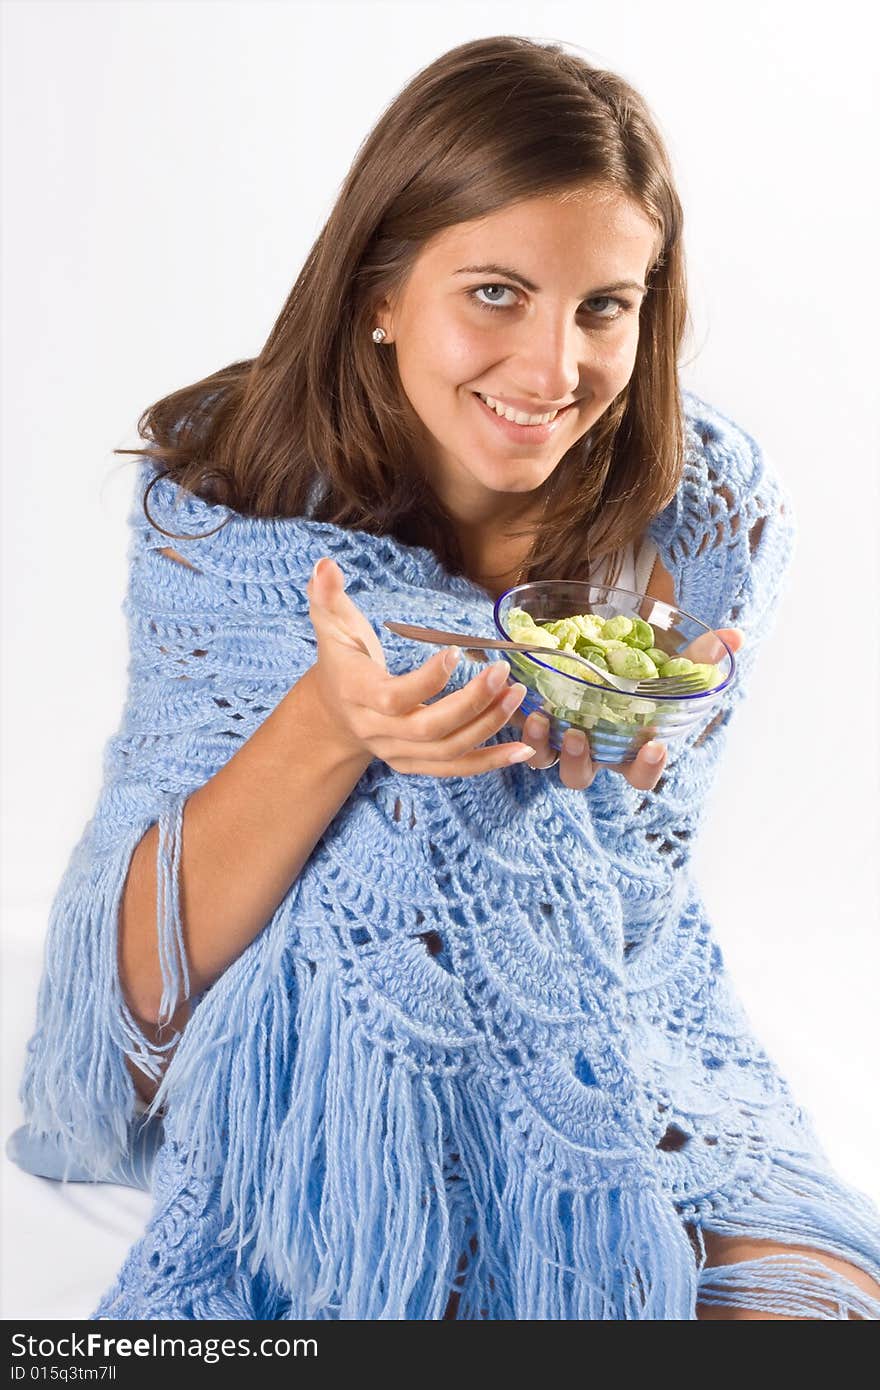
(631, 593)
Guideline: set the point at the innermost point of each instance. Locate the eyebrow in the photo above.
(534, 289)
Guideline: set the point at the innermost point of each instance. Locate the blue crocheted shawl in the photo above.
(545, 1112)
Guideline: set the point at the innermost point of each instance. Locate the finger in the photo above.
(494, 709)
(471, 764)
(399, 697)
(331, 605)
(733, 636)
(576, 766)
(396, 696)
(708, 648)
(643, 773)
(536, 731)
(460, 740)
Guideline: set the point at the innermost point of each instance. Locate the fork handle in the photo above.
(674, 684)
(462, 639)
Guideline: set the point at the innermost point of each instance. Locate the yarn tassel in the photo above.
(786, 1286)
(328, 1148)
(799, 1205)
(563, 1252)
(600, 1253)
(77, 1094)
(356, 1216)
(608, 1253)
(357, 1222)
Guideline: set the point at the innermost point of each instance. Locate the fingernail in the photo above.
(519, 755)
(653, 753)
(536, 726)
(498, 675)
(717, 651)
(575, 741)
(513, 698)
(451, 658)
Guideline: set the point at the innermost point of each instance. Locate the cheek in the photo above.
(615, 359)
(462, 355)
(442, 357)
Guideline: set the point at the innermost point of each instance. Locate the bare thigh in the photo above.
(452, 1305)
(725, 1250)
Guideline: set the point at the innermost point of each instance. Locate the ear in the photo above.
(383, 317)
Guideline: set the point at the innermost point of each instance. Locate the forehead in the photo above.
(582, 226)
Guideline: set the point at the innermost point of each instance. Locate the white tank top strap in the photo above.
(635, 573)
(644, 565)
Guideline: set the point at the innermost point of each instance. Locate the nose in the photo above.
(551, 360)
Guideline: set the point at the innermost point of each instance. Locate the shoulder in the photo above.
(725, 463)
(730, 530)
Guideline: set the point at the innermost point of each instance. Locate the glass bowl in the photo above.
(616, 725)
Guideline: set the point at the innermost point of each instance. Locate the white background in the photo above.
(166, 167)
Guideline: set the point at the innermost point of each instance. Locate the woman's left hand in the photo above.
(576, 767)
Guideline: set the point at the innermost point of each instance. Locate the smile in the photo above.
(523, 433)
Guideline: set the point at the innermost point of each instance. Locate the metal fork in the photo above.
(659, 685)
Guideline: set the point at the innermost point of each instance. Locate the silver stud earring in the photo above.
(378, 335)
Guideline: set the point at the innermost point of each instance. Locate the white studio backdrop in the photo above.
(166, 167)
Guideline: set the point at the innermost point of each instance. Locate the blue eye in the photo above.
(623, 306)
(482, 302)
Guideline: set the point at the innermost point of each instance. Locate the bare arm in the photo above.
(247, 834)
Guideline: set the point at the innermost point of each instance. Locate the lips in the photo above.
(522, 434)
(559, 409)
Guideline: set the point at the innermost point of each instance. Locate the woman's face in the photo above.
(565, 340)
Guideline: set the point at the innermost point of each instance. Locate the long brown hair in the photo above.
(489, 123)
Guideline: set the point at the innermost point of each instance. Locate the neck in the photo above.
(493, 560)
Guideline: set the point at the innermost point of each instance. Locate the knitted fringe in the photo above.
(357, 1185)
(607, 1253)
(786, 1286)
(800, 1206)
(357, 1216)
(284, 1094)
(76, 1090)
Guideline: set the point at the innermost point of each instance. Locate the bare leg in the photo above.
(452, 1305)
(725, 1250)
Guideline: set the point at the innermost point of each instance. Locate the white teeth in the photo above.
(507, 412)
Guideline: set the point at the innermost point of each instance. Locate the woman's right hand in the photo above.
(576, 767)
(387, 716)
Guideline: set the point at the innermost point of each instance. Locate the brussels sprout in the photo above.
(632, 663)
(564, 663)
(590, 625)
(523, 628)
(643, 709)
(553, 687)
(677, 666)
(641, 635)
(591, 698)
(595, 654)
(709, 675)
(618, 627)
(659, 658)
(614, 715)
(565, 631)
(621, 645)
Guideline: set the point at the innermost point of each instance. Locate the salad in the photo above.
(624, 646)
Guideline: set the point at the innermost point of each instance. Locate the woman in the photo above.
(431, 1036)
